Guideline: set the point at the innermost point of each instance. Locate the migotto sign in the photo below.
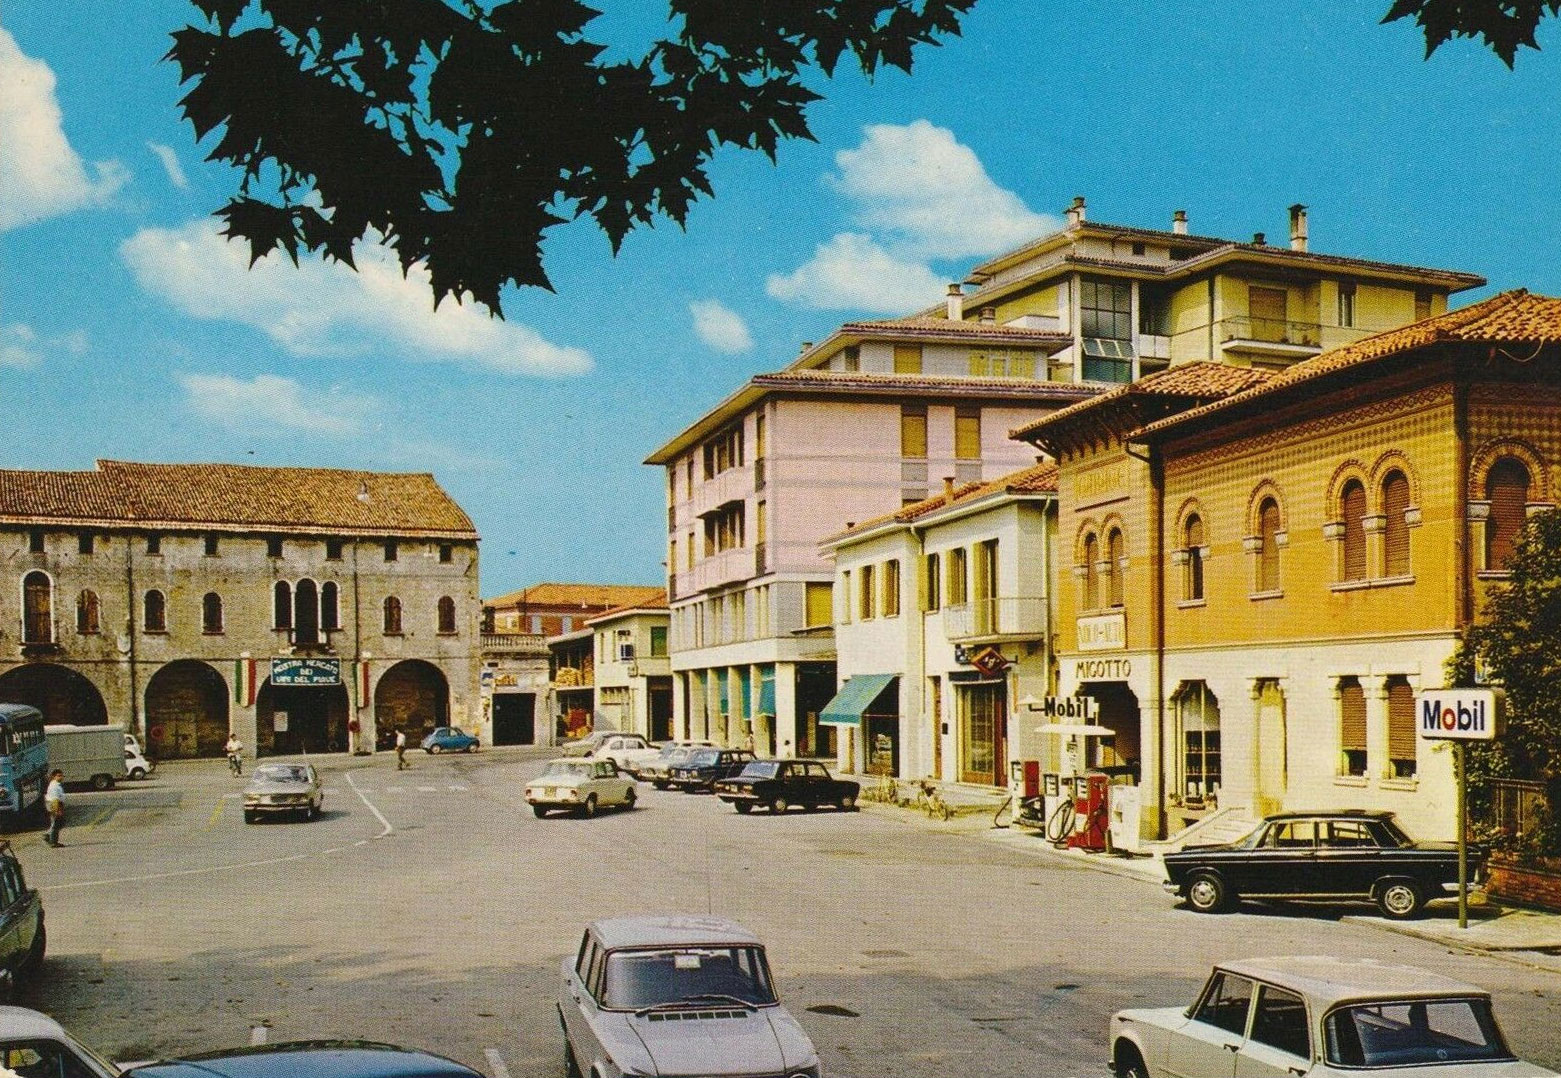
(1459, 714)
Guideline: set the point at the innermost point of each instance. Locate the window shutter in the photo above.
(1395, 503)
(907, 359)
(1353, 506)
(1268, 533)
(967, 433)
(913, 431)
(1507, 489)
(1352, 716)
(1401, 720)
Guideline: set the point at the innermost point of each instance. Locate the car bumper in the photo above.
(299, 806)
(1170, 888)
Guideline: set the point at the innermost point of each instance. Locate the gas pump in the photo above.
(1091, 813)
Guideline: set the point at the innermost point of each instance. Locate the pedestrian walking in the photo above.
(54, 805)
(401, 750)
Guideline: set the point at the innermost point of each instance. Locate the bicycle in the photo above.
(930, 801)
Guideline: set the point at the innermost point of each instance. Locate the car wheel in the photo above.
(251, 817)
(743, 807)
(434, 750)
(1399, 900)
(1207, 893)
(847, 802)
(138, 773)
(628, 800)
(590, 806)
(1130, 1064)
(538, 811)
(472, 747)
(779, 806)
(34, 960)
(102, 782)
(660, 785)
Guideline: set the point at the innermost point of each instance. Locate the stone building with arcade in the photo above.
(305, 609)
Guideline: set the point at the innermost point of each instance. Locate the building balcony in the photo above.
(571, 677)
(1003, 617)
(732, 485)
(1275, 337)
(514, 644)
(41, 649)
(728, 567)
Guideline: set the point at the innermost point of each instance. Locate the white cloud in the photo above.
(852, 272)
(930, 196)
(171, 164)
(320, 308)
(40, 174)
(719, 326)
(22, 348)
(269, 401)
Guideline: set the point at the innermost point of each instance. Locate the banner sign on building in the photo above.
(1066, 709)
(1103, 632)
(306, 671)
(1458, 714)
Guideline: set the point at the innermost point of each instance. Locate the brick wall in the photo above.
(1524, 884)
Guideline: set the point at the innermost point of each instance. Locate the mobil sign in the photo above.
(1459, 714)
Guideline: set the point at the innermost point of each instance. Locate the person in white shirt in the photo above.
(54, 805)
(233, 748)
(401, 750)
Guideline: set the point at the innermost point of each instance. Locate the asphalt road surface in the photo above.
(430, 908)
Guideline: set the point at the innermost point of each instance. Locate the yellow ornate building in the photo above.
(1264, 572)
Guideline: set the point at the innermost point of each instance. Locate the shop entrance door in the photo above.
(514, 718)
(983, 753)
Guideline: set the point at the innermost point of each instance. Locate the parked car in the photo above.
(449, 739)
(283, 788)
(1319, 1016)
(1333, 855)
(658, 772)
(582, 786)
(23, 938)
(32, 1043)
(585, 746)
(136, 765)
(705, 767)
(780, 784)
(316, 1059)
(676, 996)
(620, 747)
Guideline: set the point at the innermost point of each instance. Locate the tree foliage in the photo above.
(1503, 25)
(1518, 640)
(459, 131)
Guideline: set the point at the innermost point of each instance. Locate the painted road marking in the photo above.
(428, 789)
(495, 1063)
(377, 813)
(99, 818)
(181, 872)
(215, 812)
(258, 1035)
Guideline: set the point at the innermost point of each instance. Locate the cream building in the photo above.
(633, 671)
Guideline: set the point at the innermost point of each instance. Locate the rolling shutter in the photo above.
(1353, 506)
(1352, 716)
(1401, 722)
(1395, 503)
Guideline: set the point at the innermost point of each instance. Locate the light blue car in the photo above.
(449, 739)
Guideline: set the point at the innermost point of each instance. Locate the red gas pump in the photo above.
(1092, 813)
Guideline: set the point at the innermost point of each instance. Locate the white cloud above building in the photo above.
(720, 327)
(171, 165)
(41, 174)
(24, 348)
(324, 309)
(269, 401)
(853, 272)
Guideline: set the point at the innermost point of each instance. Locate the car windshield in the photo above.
(672, 752)
(567, 769)
(282, 773)
(652, 977)
(761, 769)
(1407, 1034)
(703, 757)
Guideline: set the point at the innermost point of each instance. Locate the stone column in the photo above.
(786, 709)
(1376, 689)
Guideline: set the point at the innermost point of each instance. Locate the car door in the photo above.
(1348, 857)
(579, 1005)
(1206, 1046)
(15, 933)
(1279, 1042)
(1283, 861)
(816, 781)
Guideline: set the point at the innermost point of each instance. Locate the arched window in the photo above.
(1506, 488)
(446, 614)
(330, 606)
(392, 616)
(282, 605)
(154, 612)
(211, 613)
(87, 614)
(1395, 535)
(1352, 504)
(37, 608)
(1091, 581)
(306, 612)
(1192, 542)
(1114, 574)
(1268, 545)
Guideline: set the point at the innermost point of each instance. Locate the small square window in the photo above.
(1138, 250)
(333, 549)
(35, 541)
(211, 546)
(273, 548)
(390, 550)
(154, 544)
(84, 543)
(446, 552)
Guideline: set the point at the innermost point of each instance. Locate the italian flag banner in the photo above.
(244, 681)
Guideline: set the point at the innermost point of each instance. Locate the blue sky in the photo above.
(127, 331)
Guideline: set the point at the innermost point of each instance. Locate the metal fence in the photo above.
(1516, 810)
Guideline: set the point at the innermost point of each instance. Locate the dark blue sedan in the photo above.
(317, 1059)
(449, 739)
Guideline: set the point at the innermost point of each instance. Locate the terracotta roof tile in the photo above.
(236, 496)
(1511, 317)
(600, 596)
(856, 381)
(922, 323)
(1189, 381)
(1037, 479)
(654, 603)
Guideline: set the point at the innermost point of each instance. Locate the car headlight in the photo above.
(251, 799)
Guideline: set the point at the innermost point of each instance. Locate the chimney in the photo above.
(956, 302)
(948, 489)
(989, 316)
(1298, 227)
(1179, 222)
(1259, 239)
(1076, 212)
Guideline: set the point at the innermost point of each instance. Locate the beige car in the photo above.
(580, 786)
(283, 789)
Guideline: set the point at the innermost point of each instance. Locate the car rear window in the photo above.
(1412, 1033)
(760, 769)
(652, 977)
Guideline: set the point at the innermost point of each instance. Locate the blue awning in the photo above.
(854, 697)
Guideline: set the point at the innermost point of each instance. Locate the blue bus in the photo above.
(24, 760)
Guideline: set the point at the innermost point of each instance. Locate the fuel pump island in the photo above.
(1072, 805)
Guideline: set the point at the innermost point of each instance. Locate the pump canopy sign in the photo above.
(1459, 714)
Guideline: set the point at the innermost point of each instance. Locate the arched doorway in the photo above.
(412, 695)
(292, 719)
(186, 711)
(1118, 711)
(63, 695)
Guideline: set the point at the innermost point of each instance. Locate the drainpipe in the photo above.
(357, 659)
(130, 632)
(1463, 590)
(1157, 615)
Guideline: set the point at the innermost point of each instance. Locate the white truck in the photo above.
(90, 754)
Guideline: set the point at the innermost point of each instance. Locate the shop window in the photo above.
(37, 608)
(1506, 488)
(87, 613)
(446, 615)
(1091, 577)
(1395, 535)
(1199, 718)
(1268, 546)
(1352, 727)
(1352, 504)
(1401, 728)
(154, 612)
(393, 617)
(211, 613)
(1115, 554)
(1192, 543)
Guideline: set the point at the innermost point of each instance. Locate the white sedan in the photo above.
(1318, 1017)
(583, 786)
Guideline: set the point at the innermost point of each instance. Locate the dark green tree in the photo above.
(1518, 640)
(461, 130)
(1504, 25)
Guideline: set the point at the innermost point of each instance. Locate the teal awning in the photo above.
(854, 697)
(766, 690)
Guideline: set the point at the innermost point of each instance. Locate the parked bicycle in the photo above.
(930, 801)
